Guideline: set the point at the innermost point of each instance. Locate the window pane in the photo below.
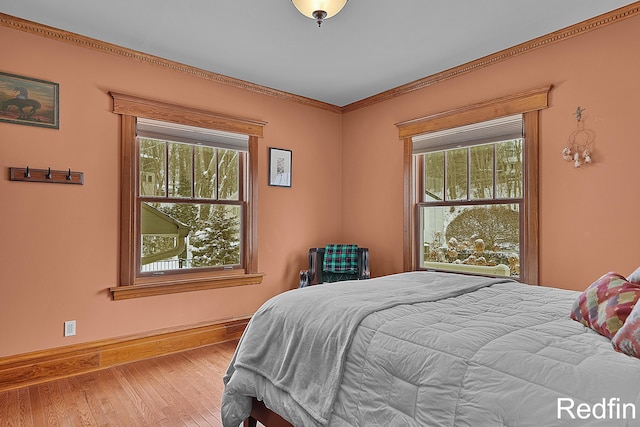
(217, 242)
(472, 238)
(228, 171)
(434, 176)
(152, 167)
(205, 173)
(481, 172)
(509, 169)
(457, 174)
(189, 235)
(180, 168)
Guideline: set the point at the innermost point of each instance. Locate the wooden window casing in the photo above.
(528, 104)
(131, 283)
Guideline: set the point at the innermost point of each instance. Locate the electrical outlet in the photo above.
(69, 328)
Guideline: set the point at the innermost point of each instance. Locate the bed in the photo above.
(428, 349)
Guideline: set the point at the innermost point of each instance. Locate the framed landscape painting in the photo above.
(28, 101)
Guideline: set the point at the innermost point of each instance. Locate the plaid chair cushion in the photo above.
(340, 259)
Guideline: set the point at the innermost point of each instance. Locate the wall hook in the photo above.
(46, 175)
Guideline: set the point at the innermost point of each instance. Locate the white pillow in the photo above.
(635, 276)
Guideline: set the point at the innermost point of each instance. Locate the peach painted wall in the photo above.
(588, 216)
(60, 243)
(59, 251)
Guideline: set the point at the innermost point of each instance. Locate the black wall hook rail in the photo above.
(46, 175)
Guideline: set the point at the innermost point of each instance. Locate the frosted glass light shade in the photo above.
(307, 7)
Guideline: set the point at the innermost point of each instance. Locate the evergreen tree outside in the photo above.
(217, 242)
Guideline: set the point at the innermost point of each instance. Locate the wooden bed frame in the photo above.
(264, 415)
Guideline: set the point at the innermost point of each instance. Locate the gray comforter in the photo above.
(426, 349)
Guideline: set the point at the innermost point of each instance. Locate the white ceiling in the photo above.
(369, 47)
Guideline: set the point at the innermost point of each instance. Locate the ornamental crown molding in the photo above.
(546, 40)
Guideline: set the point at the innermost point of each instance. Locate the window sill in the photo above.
(179, 286)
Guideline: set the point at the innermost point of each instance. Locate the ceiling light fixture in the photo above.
(319, 9)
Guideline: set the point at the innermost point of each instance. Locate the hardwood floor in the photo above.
(182, 389)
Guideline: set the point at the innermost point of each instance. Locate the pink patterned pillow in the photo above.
(606, 303)
(635, 276)
(627, 340)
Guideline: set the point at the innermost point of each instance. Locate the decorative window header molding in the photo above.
(159, 110)
(531, 100)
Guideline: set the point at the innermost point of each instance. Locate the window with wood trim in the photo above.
(453, 182)
(191, 198)
(470, 197)
(189, 202)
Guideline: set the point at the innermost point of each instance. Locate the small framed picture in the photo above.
(279, 167)
(28, 101)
